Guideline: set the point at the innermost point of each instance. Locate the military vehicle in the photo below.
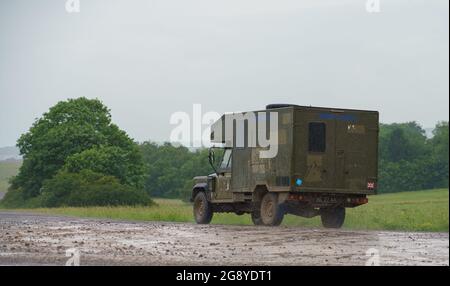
(326, 162)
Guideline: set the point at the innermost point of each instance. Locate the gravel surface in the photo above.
(34, 239)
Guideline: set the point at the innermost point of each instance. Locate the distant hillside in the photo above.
(8, 169)
(9, 153)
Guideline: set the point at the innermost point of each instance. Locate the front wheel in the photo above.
(333, 218)
(203, 212)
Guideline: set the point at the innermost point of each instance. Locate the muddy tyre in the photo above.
(271, 212)
(203, 212)
(256, 218)
(333, 218)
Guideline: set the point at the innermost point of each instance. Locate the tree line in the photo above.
(410, 161)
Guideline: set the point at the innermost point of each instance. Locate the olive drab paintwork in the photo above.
(326, 160)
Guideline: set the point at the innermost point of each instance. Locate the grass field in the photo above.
(7, 170)
(407, 211)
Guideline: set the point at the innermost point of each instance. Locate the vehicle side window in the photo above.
(226, 161)
(317, 137)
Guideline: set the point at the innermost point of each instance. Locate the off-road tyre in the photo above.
(271, 212)
(203, 212)
(333, 218)
(256, 217)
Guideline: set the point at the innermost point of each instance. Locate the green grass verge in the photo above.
(407, 211)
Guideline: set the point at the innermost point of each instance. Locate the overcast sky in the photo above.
(147, 59)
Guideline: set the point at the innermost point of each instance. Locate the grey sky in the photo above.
(148, 59)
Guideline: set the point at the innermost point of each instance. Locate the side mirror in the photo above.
(211, 156)
(212, 159)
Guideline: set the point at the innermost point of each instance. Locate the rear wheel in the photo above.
(202, 209)
(271, 212)
(333, 218)
(256, 217)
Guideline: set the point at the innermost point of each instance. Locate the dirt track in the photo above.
(29, 239)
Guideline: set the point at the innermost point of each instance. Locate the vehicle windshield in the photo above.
(226, 160)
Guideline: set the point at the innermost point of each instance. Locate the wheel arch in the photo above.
(199, 187)
(259, 192)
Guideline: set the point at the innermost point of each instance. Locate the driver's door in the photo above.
(223, 186)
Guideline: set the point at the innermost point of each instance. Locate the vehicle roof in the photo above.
(321, 108)
(314, 108)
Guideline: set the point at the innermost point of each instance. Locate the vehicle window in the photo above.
(317, 135)
(226, 161)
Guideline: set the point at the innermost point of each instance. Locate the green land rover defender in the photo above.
(326, 161)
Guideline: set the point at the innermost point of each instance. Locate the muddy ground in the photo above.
(31, 239)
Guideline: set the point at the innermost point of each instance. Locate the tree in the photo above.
(88, 188)
(170, 169)
(440, 141)
(440, 146)
(409, 161)
(398, 148)
(71, 127)
(404, 141)
(123, 163)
